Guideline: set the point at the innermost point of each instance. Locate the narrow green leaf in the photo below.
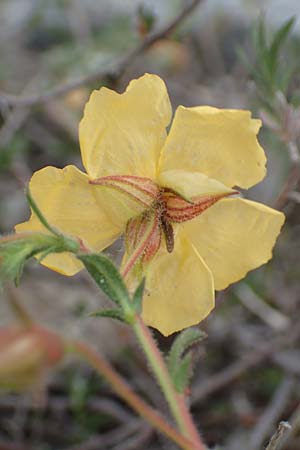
(278, 40)
(244, 59)
(261, 33)
(182, 375)
(181, 344)
(107, 276)
(179, 362)
(39, 213)
(112, 313)
(137, 297)
(259, 40)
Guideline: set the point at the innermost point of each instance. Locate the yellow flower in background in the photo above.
(170, 194)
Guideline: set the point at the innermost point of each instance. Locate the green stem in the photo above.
(175, 400)
(124, 391)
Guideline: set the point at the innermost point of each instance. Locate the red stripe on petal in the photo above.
(140, 189)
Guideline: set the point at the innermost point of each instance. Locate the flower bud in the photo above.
(26, 354)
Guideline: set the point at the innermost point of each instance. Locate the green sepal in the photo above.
(179, 361)
(137, 298)
(112, 313)
(18, 248)
(107, 276)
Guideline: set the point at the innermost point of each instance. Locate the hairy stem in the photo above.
(175, 400)
(124, 391)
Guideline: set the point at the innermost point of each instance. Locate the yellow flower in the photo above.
(167, 193)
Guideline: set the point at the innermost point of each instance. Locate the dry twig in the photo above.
(290, 184)
(294, 421)
(272, 413)
(238, 368)
(114, 71)
(283, 427)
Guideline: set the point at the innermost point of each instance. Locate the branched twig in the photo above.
(283, 427)
(294, 421)
(111, 438)
(114, 70)
(272, 413)
(290, 184)
(138, 441)
(238, 368)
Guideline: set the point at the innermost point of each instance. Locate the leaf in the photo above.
(107, 276)
(17, 249)
(278, 40)
(112, 313)
(137, 297)
(244, 59)
(180, 364)
(259, 40)
(182, 375)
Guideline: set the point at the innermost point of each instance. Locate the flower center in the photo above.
(162, 208)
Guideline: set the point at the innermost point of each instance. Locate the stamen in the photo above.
(168, 233)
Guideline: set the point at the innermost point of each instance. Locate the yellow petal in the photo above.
(233, 237)
(72, 205)
(122, 134)
(179, 289)
(220, 143)
(191, 184)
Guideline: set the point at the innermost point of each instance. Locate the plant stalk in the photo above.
(176, 401)
(124, 391)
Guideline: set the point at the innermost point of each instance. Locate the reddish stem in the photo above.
(124, 391)
(175, 400)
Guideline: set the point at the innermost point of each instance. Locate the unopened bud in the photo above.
(26, 354)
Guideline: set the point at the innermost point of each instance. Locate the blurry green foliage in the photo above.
(82, 389)
(267, 380)
(275, 63)
(17, 146)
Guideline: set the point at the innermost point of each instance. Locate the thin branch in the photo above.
(268, 314)
(283, 427)
(272, 413)
(138, 441)
(290, 184)
(238, 368)
(110, 438)
(294, 421)
(114, 70)
(122, 388)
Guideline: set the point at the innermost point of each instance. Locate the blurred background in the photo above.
(226, 53)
